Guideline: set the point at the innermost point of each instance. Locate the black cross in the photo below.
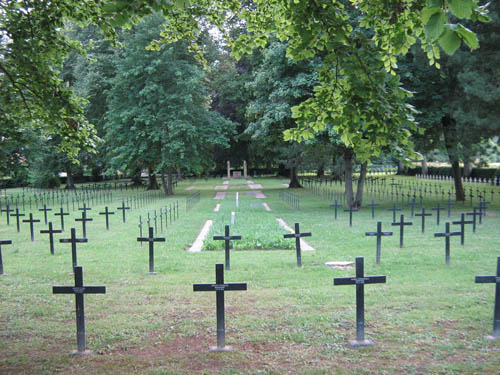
(220, 287)
(438, 210)
(483, 206)
(447, 234)
(423, 214)
(394, 209)
(336, 205)
(3, 242)
(140, 227)
(51, 232)
(449, 204)
(84, 208)
(227, 238)
(7, 210)
(17, 215)
(360, 280)
(73, 240)
(45, 209)
(474, 214)
(379, 235)
(84, 220)
(79, 290)
(297, 235)
(496, 310)
(413, 204)
(32, 229)
(151, 239)
(156, 222)
(62, 214)
(462, 223)
(351, 210)
(401, 224)
(107, 213)
(373, 205)
(123, 208)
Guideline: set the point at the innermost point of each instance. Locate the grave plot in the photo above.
(258, 227)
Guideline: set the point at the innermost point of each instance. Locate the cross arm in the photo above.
(79, 290)
(6, 242)
(487, 279)
(344, 281)
(375, 279)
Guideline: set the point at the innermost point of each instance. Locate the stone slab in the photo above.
(198, 243)
(340, 264)
(356, 343)
(255, 186)
(259, 194)
(220, 195)
(221, 187)
(189, 188)
(217, 207)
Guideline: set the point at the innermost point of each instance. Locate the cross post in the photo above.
(3, 242)
(495, 279)
(17, 215)
(51, 232)
(79, 290)
(297, 235)
(447, 234)
(220, 287)
(62, 214)
(84, 220)
(401, 224)
(73, 240)
(123, 208)
(373, 205)
(394, 209)
(379, 235)
(462, 223)
(336, 205)
(227, 238)
(423, 214)
(413, 204)
(438, 210)
(474, 215)
(360, 280)
(31, 221)
(107, 213)
(449, 204)
(7, 210)
(45, 209)
(151, 239)
(351, 210)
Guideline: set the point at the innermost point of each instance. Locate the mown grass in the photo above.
(427, 319)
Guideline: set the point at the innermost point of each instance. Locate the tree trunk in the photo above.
(468, 168)
(425, 168)
(361, 182)
(136, 178)
(179, 174)
(321, 171)
(167, 185)
(294, 178)
(401, 168)
(451, 142)
(348, 156)
(153, 182)
(70, 184)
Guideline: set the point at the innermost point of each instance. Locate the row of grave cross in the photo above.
(220, 287)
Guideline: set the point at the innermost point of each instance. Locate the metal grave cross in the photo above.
(220, 287)
(423, 214)
(447, 234)
(62, 214)
(17, 215)
(140, 227)
(51, 232)
(151, 239)
(123, 208)
(449, 203)
(394, 209)
(73, 240)
(84, 220)
(45, 209)
(84, 208)
(7, 210)
(79, 290)
(462, 223)
(227, 238)
(401, 224)
(474, 214)
(483, 206)
(31, 221)
(3, 242)
(379, 235)
(413, 204)
(336, 205)
(438, 210)
(373, 205)
(351, 210)
(495, 279)
(360, 280)
(297, 235)
(107, 213)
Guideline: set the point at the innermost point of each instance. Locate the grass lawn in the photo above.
(428, 318)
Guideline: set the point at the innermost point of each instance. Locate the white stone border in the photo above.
(303, 244)
(198, 243)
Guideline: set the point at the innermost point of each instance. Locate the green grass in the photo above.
(427, 319)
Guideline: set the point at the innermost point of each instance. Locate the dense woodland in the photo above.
(126, 94)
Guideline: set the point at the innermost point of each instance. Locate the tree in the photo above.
(158, 115)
